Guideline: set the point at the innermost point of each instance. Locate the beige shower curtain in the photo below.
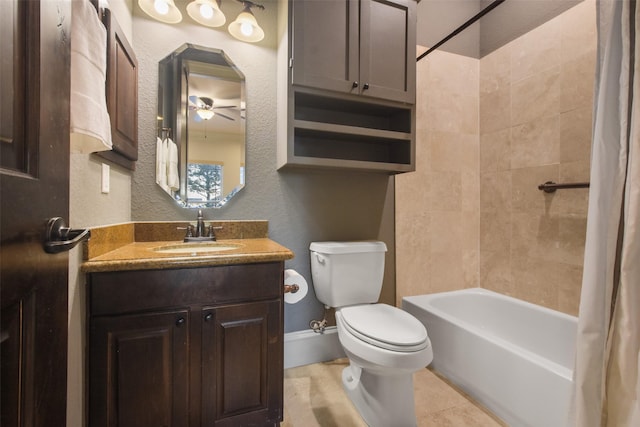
(607, 381)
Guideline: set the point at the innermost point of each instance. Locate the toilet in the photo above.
(385, 345)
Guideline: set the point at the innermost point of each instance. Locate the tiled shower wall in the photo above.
(438, 205)
(471, 215)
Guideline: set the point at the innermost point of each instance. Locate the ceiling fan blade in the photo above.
(226, 117)
(225, 106)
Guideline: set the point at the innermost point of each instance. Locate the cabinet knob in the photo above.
(180, 321)
(366, 86)
(355, 85)
(208, 317)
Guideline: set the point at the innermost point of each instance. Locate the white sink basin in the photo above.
(196, 248)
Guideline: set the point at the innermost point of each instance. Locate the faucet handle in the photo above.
(189, 229)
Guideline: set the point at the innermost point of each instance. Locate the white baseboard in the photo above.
(307, 347)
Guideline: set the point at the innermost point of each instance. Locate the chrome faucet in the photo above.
(200, 232)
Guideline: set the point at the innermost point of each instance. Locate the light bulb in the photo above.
(206, 11)
(246, 28)
(161, 7)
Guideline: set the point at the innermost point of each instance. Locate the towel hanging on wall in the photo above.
(90, 125)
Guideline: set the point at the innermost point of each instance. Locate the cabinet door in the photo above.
(388, 49)
(122, 95)
(139, 370)
(325, 44)
(242, 368)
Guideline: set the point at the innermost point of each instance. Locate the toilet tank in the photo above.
(347, 273)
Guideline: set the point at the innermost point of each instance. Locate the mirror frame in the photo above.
(173, 105)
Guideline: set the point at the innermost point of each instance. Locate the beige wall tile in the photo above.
(579, 35)
(448, 237)
(536, 51)
(495, 231)
(470, 186)
(495, 151)
(495, 70)
(575, 134)
(495, 192)
(453, 74)
(495, 272)
(446, 191)
(536, 143)
(447, 271)
(471, 268)
(576, 82)
(525, 196)
(495, 110)
(536, 96)
(453, 151)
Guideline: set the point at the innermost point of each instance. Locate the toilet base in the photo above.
(382, 400)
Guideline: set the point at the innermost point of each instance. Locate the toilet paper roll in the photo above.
(292, 277)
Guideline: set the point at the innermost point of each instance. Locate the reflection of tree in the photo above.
(204, 182)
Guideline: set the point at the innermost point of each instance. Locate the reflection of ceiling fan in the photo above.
(205, 109)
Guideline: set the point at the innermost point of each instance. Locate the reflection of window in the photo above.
(242, 175)
(204, 182)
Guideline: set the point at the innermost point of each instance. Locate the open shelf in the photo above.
(339, 132)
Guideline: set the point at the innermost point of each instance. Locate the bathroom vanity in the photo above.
(186, 339)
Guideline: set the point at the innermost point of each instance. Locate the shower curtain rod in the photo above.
(462, 27)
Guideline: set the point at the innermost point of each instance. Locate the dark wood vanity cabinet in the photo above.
(364, 47)
(186, 347)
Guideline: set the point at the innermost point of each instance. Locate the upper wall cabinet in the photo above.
(364, 47)
(349, 93)
(122, 95)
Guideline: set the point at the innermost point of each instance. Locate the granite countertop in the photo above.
(131, 246)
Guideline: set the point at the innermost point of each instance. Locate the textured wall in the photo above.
(301, 206)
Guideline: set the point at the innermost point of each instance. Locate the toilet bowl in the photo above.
(379, 378)
(385, 345)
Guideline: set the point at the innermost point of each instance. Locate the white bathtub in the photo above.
(514, 357)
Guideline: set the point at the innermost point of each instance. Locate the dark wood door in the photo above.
(388, 49)
(34, 186)
(242, 372)
(364, 47)
(325, 44)
(139, 370)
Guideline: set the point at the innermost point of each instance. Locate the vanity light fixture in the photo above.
(209, 14)
(162, 10)
(245, 27)
(206, 12)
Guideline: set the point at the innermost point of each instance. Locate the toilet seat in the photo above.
(386, 327)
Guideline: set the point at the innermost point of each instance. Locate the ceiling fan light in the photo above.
(246, 28)
(205, 114)
(206, 12)
(161, 10)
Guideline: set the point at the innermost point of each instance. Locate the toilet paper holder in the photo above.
(291, 289)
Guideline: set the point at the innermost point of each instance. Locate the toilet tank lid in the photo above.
(347, 247)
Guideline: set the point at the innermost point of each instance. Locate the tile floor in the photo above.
(313, 397)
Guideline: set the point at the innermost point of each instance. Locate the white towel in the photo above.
(161, 166)
(161, 178)
(173, 181)
(89, 119)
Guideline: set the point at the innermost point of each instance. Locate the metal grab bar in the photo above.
(551, 187)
